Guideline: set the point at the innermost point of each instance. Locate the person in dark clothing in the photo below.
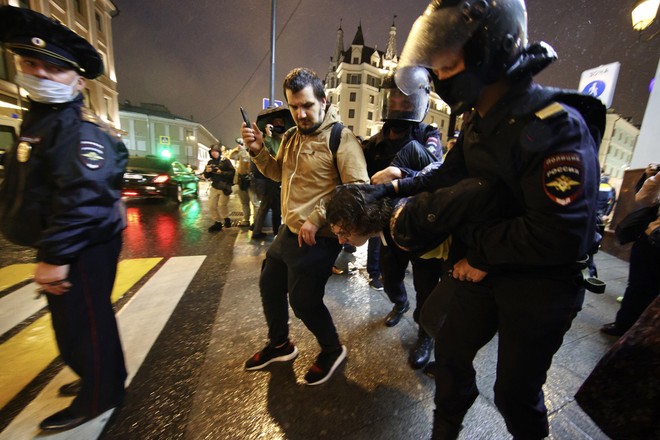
(221, 172)
(606, 197)
(517, 275)
(271, 198)
(62, 196)
(643, 277)
(402, 143)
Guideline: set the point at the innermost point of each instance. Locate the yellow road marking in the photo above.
(15, 273)
(26, 354)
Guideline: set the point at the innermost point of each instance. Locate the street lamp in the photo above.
(643, 13)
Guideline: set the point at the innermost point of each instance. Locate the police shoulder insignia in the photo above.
(91, 154)
(551, 110)
(88, 115)
(562, 177)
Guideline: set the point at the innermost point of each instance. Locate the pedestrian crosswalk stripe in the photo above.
(14, 274)
(19, 305)
(28, 352)
(140, 322)
(130, 272)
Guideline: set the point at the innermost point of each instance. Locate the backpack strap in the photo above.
(335, 138)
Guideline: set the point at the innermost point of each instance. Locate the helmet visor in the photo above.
(401, 107)
(445, 26)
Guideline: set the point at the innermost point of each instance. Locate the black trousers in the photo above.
(643, 282)
(86, 329)
(300, 273)
(530, 315)
(426, 274)
(270, 200)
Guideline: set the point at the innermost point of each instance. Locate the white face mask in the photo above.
(45, 90)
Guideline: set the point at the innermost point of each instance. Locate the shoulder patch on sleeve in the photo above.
(91, 154)
(551, 110)
(563, 177)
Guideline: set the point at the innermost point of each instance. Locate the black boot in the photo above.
(396, 314)
(215, 227)
(421, 352)
(227, 222)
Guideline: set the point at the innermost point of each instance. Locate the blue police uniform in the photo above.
(543, 152)
(410, 155)
(64, 199)
(62, 196)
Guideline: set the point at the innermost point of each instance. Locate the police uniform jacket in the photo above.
(543, 151)
(62, 187)
(380, 151)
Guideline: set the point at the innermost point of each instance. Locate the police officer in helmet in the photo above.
(404, 146)
(515, 275)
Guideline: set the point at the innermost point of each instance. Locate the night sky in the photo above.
(205, 58)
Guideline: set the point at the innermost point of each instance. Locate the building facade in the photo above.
(92, 19)
(617, 147)
(151, 129)
(353, 83)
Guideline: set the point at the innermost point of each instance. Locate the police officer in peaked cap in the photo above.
(62, 196)
(518, 275)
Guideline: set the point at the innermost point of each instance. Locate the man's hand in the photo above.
(464, 272)
(253, 138)
(307, 234)
(386, 176)
(652, 226)
(53, 279)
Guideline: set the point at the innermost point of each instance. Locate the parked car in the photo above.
(154, 176)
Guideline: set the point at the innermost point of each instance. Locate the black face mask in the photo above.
(279, 129)
(460, 91)
(398, 126)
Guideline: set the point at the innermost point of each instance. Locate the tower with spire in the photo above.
(331, 77)
(391, 57)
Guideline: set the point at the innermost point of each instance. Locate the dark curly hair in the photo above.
(349, 210)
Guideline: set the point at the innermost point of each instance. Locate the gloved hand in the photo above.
(371, 193)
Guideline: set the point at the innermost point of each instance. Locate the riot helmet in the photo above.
(398, 106)
(491, 34)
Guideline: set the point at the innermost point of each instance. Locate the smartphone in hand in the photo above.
(245, 118)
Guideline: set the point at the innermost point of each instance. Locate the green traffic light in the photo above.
(166, 154)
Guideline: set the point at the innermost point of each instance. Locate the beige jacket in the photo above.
(242, 158)
(305, 166)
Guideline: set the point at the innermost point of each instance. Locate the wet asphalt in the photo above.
(192, 384)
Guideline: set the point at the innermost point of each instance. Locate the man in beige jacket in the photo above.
(299, 261)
